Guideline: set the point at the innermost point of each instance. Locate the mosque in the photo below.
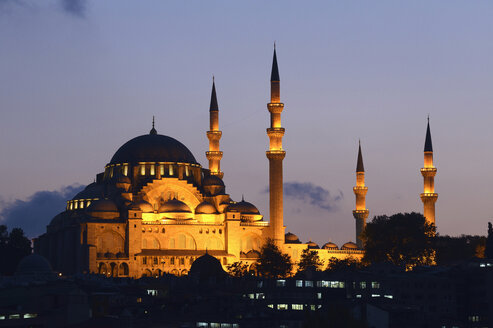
(155, 209)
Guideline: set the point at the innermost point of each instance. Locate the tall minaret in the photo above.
(429, 197)
(214, 155)
(275, 154)
(360, 213)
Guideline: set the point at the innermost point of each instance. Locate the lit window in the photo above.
(375, 295)
(202, 324)
(76, 204)
(186, 171)
(215, 325)
(15, 316)
(319, 296)
(271, 306)
(388, 296)
(375, 285)
(299, 283)
(297, 306)
(282, 306)
(251, 296)
(312, 307)
(362, 284)
(125, 170)
(358, 296)
(111, 172)
(260, 296)
(88, 203)
(171, 170)
(281, 283)
(2, 317)
(81, 204)
(308, 283)
(153, 170)
(142, 170)
(71, 206)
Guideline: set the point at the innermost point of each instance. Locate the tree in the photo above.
(13, 247)
(489, 242)
(309, 259)
(238, 269)
(403, 239)
(452, 250)
(272, 263)
(346, 264)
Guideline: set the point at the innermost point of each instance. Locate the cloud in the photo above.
(313, 194)
(36, 212)
(75, 7)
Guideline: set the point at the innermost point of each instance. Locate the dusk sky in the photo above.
(80, 78)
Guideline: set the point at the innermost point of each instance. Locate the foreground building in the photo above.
(155, 209)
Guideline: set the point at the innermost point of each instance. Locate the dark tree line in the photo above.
(13, 247)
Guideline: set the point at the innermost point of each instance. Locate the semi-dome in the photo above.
(153, 147)
(34, 265)
(144, 206)
(92, 190)
(243, 207)
(291, 238)
(212, 180)
(174, 206)
(330, 245)
(312, 245)
(349, 246)
(103, 205)
(205, 208)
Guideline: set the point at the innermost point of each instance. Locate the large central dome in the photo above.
(153, 148)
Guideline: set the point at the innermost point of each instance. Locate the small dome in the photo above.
(212, 180)
(349, 246)
(103, 205)
(243, 207)
(291, 238)
(312, 245)
(34, 265)
(205, 208)
(207, 266)
(92, 190)
(330, 245)
(174, 206)
(145, 207)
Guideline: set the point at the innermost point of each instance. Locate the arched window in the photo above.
(155, 244)
(123, 271)
(172, 243)
(144, 243)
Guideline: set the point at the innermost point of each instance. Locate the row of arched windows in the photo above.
(113, 269)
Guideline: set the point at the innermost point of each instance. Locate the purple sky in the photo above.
(79, 80)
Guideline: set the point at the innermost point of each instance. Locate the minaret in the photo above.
(360, 213)
(214, 155)
(275, 154)
(429, 197)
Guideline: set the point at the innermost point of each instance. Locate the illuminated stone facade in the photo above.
(429, 196)
(155, 210)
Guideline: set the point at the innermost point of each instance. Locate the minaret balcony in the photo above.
(427, 196)
(275, 132)
(214, 155)
(276, 154)
(361, 211)
(214, 135)
(275, 108)
(429, 169)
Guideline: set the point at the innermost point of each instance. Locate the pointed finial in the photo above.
(242, 197)
(428, 144)
(153, 130)
(359, 166)
(274, 76)
(213, 107)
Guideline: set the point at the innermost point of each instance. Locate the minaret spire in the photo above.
(214, 155)
(360, 213)
(428, 197)
(275, 154)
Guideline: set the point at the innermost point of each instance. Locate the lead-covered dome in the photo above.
(349, 246)
(34, 265)
(153, 148)
(174, 206)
